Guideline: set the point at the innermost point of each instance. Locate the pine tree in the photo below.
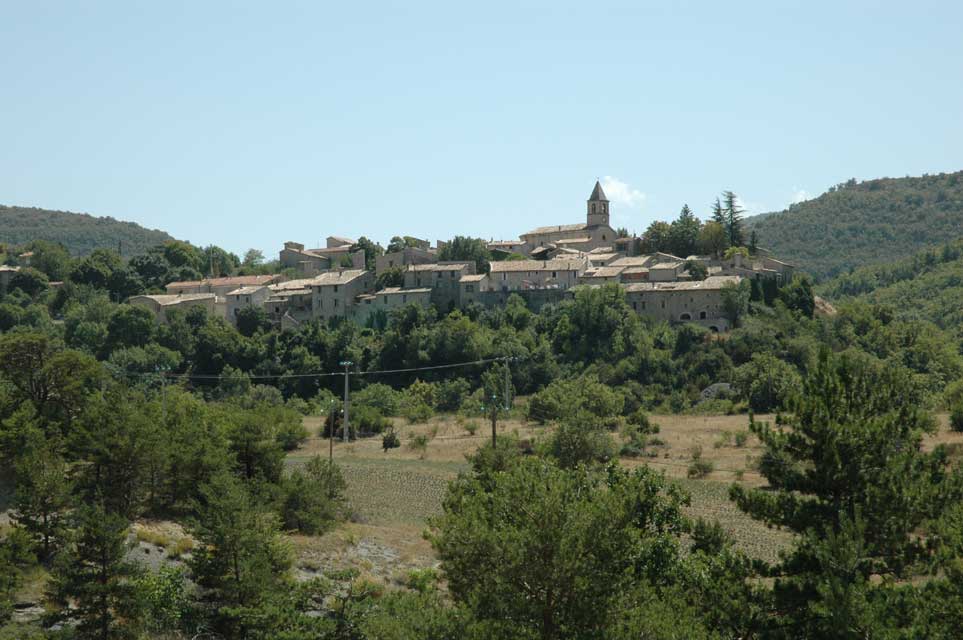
(42, 498)
(848, 474)
(91, 585)
(718, 213)
(732, 214)
(684, 233)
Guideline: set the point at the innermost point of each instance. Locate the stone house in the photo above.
(519, 275)
(245, 297)
(6, 273)
(289, 300)
(697, 301)
(403, 258)
(309, 262)
(220, 287)
(388, 300)
(442, 278)
(162, 305)
(470, 286)
(335, 293)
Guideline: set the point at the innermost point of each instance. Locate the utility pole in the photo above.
(347, 391)
(331, 415)
(494, 419)
(508, 384)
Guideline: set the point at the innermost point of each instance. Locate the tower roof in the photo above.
(597, 194)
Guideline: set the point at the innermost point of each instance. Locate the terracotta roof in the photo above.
(537, 265)
(6, 267)
(472, 277)
(666, 265)
(603, 272)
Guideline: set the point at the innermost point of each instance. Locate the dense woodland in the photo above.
(79, 233)
(106, 417)
(865, 223)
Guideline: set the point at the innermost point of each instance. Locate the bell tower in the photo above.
(597, 207)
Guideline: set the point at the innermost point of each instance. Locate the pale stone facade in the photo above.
(245, 297)
(403, 258)
(333, 294)
(594, 233)
(161, 305)
(697, 301)
(518, 275)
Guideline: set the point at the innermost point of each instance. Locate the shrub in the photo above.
(390, 440)
(700, 468)
(451, 394)
(415, 410)
(368, 420)
(425, 391)
(956, 417)
(471, 427)
(381, 397)
(565, 398)
(419, 443)
(742, 437)
(313, 497)
(581, 440)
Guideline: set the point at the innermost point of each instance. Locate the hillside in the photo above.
(928, 286)
(865, 223)
(80, 233)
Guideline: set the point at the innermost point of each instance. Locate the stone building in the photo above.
(245, 297)
(388, 300)
(594, 232)
(6, 273)
(335, 293)
(401, 259)
(162, 305)
(309, 262)
(697, 301)
(442, 278)
(519, 275)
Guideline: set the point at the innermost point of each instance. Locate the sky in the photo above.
(249, 124)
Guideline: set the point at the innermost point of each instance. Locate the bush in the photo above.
(367, 420)
(450, 395)
(956, 417)
(419, 443)
(700, 468)
(415, 410)
(742, 437)
(381, 397)
(313, 497)
(565, 398)
(581, 441)
(390, 440)
(471, 427)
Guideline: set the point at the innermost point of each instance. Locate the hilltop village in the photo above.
(543, 266)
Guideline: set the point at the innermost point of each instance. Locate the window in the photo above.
(603, 236)
(469, 288)
(643, 304)
(335, 288)
(385, 299)
(663, 304)
(554, 274)
(635, 306)
(702, 315)
(335, 303)
(504, 276)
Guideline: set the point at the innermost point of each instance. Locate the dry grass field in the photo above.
(394, 494)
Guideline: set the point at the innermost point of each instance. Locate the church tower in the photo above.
(597, 209)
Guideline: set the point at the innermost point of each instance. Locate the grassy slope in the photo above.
(866, 223)
(80, 233)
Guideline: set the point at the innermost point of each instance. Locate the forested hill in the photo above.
(928, 286)
(857, 224)
(80, 233)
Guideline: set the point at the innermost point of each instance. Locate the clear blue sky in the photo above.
(247, 124)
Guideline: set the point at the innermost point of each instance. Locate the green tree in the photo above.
(241, 559)
(735, 300)
(91, 583)
(849, 475)
(767, 382)
(392, 277)
(42, 499)
(467, 249)
(657, 237)
(130, 326)
(253, 258)
(733, 218)
(371, 251)
(713, 239)
(29, 280)
(684, 233)
(545, 553)
(313, 497)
